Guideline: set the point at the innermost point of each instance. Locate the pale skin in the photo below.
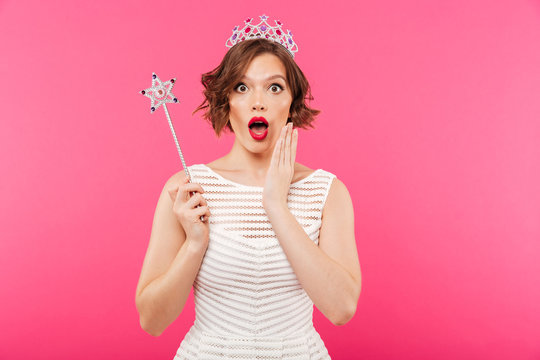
(329, 272)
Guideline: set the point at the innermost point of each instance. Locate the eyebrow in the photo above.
(269, 78)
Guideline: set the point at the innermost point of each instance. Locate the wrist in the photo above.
(195, 248)
(275, 208)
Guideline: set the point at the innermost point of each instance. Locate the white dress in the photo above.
(248, 301)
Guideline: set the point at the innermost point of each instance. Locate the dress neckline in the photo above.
(260, 188)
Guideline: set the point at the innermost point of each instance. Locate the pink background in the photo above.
(430, 116)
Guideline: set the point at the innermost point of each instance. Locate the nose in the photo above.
(258, 106)
(258, 103)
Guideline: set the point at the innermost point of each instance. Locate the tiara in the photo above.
(265, 31)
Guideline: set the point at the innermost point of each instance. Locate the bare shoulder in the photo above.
(338, 194)
(175, 179)
(338, 199)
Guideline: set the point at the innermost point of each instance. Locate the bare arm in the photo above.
(170, 266)
(329, 273)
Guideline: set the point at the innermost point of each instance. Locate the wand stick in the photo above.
(161, 93)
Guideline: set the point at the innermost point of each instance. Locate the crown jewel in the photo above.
(265, 31)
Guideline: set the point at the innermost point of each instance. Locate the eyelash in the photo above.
(276, 84)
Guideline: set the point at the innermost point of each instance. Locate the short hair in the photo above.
(219, 82)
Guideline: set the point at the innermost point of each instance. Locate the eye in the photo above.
(241, 87)
(274, 86)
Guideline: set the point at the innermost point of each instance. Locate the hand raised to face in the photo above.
(281, 170)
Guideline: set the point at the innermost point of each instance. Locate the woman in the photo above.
(262, 238)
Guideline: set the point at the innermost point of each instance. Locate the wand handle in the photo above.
(179, 150)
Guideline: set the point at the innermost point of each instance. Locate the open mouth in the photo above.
(258, 128)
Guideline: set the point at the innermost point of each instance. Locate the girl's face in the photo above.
(262, 92)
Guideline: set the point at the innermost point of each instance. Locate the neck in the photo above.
(240, 158)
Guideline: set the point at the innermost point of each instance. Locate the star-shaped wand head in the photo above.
(160, 92)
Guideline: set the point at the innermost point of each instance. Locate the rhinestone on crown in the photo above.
(265, 31)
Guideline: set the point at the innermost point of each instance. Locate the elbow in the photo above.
(148, 328)
(144, 322)
(344, 316)
(347, 311)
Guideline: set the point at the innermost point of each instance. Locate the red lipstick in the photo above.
(258, 131)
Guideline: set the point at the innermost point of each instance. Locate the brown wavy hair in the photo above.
(219, 82)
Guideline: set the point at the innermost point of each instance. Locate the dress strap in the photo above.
(329, 179)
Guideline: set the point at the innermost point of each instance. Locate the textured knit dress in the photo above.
(249, 303)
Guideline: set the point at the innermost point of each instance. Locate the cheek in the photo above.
(285, 105)
(232, 103)
(236, 104)
(287, 100)
(235, 113)
(233, 106)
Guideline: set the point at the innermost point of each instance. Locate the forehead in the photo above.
(265, 65)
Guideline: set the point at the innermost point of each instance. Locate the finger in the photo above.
(293, 147)
(287, 153)
(184, 191)
(173, 192)
(187, 195)
(203, 210)
(190, 187)
(203, 201)
(206, 215)
(279, 147)
(274, 162)
(281, 155)
(196, 200)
